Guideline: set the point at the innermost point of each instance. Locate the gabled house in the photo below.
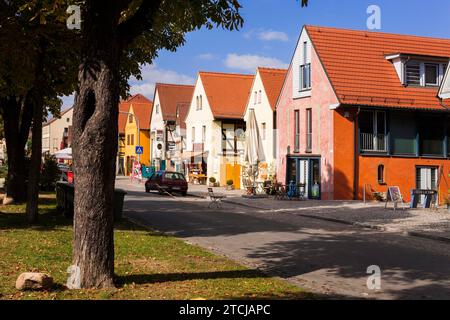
(57, 132)
(359, 112)
(263, 98)
(124, 106)
(167, 125)
(137, 133)
(215, 126)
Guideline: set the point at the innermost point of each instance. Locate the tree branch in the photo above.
(135, 25)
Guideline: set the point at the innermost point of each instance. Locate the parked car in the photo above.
(167, 181)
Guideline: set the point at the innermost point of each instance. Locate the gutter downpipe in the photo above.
(356, 157)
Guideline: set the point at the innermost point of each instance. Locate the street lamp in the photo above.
(138, 129)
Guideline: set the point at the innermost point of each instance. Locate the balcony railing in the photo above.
(370, 142)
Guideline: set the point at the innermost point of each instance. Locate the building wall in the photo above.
(400, 172)
(52, 134)
(321, 98)
(156, 123)
(130, 150)
(264, 114)
(197, 119)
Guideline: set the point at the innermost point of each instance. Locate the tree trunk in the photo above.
(17, 123)
(35, 165)
(95, 148)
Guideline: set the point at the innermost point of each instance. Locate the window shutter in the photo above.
(413, 74)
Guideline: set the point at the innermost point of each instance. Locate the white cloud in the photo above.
(206, 56)
(251, 62)
(271, 35)
(151, 74)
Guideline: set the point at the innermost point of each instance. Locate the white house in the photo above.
(265, 91)
(215, 127)
(56, 133)
(167, 131)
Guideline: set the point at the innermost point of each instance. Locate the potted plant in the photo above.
(447, 203)
(230, 184)
(212, 182)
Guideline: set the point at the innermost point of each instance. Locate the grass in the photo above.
(148, 265)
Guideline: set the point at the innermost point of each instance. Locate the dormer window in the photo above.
(431, 74)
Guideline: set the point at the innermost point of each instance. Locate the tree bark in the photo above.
(17, 122)
(35, 164)
(95, 147)
(36, 98)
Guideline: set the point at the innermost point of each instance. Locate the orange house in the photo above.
(359, 112)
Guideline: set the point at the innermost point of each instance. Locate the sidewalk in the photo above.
(424, 223)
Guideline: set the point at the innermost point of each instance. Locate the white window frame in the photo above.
(437, 67)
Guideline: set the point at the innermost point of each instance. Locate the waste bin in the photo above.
(119, 196)
(65, 194)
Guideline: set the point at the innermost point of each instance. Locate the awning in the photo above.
(64, 154)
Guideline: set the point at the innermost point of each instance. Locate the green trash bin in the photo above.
(65, 194)
(119, 197)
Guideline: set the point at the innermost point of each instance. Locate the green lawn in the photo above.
(148, 265)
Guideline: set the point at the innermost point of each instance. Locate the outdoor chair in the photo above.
(215, 200)
(280, 192)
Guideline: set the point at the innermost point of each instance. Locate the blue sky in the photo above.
(270, 33)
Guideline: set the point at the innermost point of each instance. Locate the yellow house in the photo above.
(137, 133)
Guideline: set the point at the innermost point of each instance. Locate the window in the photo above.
(128, 139)
(203, 134)
(260, 97)
(68, 120)
(197, 103)
(297, 131)
(263, 130)
(381, 174)
(403, 131)
(200, 106)
(308, 130)
(305, 77)
(130, 119)
(157, 109)
(193, 135)
(372, 128)
(413, 73)
(132, 139)
(431, 74)
(256, 98)
(431, 136)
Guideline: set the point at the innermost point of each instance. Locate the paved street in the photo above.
(321, 256)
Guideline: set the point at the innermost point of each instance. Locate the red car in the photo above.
(167, 181)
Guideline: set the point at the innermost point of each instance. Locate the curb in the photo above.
(428, 236)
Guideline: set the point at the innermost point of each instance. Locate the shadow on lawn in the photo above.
(176, 277)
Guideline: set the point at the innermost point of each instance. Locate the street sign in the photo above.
(139, 150)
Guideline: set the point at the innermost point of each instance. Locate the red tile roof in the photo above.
(227, 93)
(356, 64)
(172, 95)
(124, 106)
(273, 80)
(143, 111)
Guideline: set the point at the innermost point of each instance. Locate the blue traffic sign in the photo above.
(139, 150)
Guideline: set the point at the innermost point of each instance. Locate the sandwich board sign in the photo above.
(394, 195)
(444, 90)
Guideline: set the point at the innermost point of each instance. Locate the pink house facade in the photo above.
(304, 118)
